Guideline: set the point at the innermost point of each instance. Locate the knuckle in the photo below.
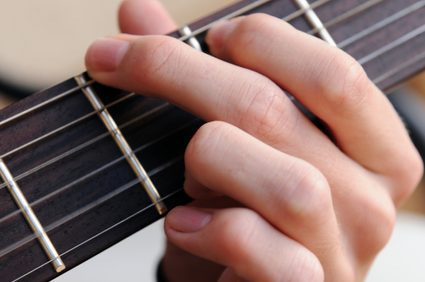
(345, 82)
(156, 56)
(249, 28)
(249, 32)
(310, 196)
(204, 144)
(267, 111)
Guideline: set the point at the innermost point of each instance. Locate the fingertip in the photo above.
(106, 54)
(144, 17)
(218, 35)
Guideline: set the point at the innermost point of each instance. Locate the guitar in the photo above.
(83, 166)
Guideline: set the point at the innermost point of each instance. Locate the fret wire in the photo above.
(394, 44)
(31, 218)
(316, 22)
(98, 170)
(387, 21)
(345, 16)
(45, 103)
(122, 189)
(122, 144)
(301, 11)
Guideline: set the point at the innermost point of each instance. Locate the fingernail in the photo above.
(106, 54)
(187, 219)
(218, 34)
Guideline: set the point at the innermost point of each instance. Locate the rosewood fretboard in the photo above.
(76, 179)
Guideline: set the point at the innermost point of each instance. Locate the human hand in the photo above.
(276, 199)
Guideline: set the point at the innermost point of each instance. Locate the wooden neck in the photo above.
(83, 189)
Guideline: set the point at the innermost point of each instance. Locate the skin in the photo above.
(276, 199)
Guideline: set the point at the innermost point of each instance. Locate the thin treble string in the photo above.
(99, 170)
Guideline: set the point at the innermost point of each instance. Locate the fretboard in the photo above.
(79, 180)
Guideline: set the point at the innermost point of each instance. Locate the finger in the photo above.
(211, 89)
(329, 83)
(243, 241)
(145, 17)
(291, 194)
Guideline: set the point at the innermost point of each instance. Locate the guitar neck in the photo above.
(84, 190)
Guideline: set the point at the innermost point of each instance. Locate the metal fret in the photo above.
(315, 21)
(31, 218)
(122, 143)
(191, 40)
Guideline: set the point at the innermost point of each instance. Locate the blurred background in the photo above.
(43, 42)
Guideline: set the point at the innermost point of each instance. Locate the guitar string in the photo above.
(134, 182)
(342, 17)
(80, 147)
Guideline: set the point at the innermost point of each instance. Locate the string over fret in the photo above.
(31, 218)
(315, 21)
(192, 41)
(123, 145)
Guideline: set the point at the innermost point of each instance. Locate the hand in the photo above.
(276, 199)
